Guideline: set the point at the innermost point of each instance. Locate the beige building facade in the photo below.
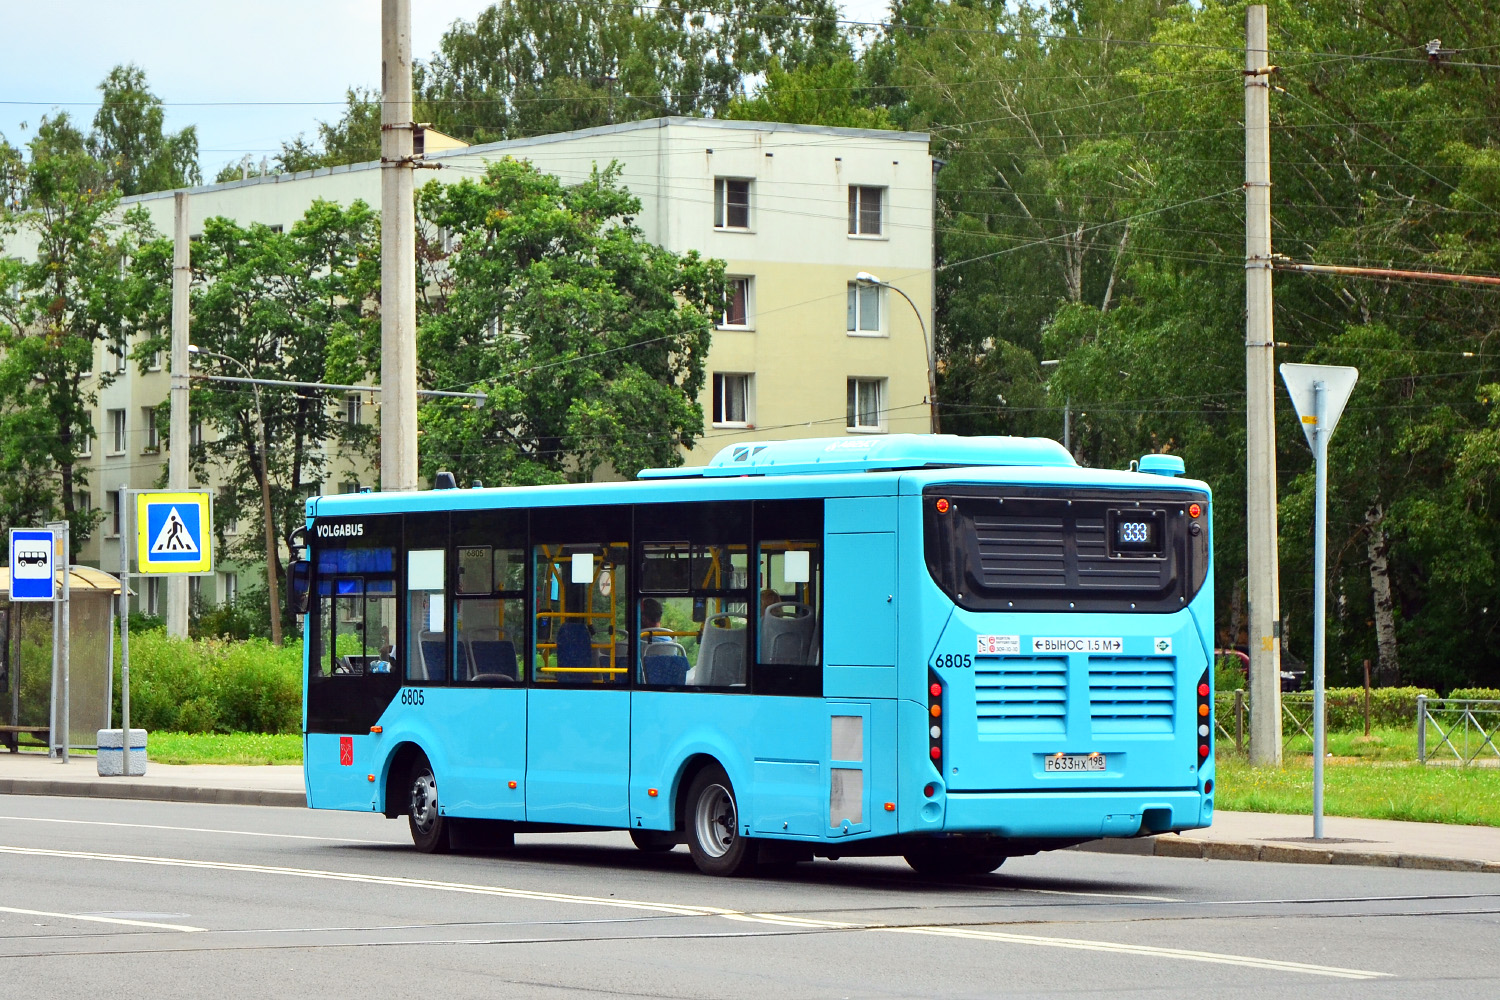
(802, 350)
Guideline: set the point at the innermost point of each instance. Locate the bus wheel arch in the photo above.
(684, 780)
(397, 775)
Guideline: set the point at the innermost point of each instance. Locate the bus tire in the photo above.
(948, 864)
(713, 826)
(654, 841)
(429, 828)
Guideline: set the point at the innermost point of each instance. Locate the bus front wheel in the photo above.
(713, 826)
(429, 829)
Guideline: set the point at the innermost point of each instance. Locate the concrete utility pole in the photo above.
(178, 474)
(1260, 408)
(398, 270)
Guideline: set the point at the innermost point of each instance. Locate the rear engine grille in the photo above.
(1023, 552)
(1021, 695)
(1132, 694)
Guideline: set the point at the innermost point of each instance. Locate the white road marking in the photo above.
(1100, 895)
(685, 910)
(196, 829)
(102, 920)
(1184, 954)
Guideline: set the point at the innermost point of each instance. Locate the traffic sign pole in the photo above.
(1320, 593)
(1319, 393)
(125, 536)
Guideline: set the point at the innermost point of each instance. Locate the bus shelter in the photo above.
(26, 661)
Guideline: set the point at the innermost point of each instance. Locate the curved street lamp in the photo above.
(934, 423)
(272, 592)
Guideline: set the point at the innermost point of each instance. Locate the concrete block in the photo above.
(1295, 855)
(1228, 850)
(113, 763)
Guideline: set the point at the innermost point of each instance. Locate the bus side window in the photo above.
(426, 659)
(789, 604)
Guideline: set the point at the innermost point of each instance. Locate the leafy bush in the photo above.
(213, 685)
(1389, 708)
(1476, 694)
(1229, 674)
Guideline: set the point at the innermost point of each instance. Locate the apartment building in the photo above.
(802, 348)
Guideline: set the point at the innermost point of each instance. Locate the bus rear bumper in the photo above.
(1076, 815)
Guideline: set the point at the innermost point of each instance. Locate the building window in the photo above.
(353, 407)
(195, 590)
(153, 433)
(349, 486)
(153, 596)
(112, 513)
(864, 308)
(731, 203)
(195, 434)
(83, 501)
(731, 400)
(736, 303)
(864, 210)
(155, 363)
(117, 432)
(119, 349)
(865, 402)
(86, 446)
(230, 591)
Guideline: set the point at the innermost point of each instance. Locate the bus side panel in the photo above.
(334, 769)
(484, 733)
(774, 751)
(578, 757)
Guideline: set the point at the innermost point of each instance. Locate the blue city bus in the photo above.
(955, 650)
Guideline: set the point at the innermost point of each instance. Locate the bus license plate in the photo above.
(1075, 762)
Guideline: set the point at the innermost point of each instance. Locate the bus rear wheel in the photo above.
(947, 864)
(713, 826)
(429, 828)
(654, 841)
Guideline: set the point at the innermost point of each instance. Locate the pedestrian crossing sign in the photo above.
(174, 532)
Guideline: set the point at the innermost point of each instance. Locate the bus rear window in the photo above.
(1017, 549)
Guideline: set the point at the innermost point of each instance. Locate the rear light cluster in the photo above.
(1205, 719)
(935, 720)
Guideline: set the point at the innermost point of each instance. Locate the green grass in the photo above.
(1376, 787)
(224, 748)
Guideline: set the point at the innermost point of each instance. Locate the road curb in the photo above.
(131, 788)
(1173, 846)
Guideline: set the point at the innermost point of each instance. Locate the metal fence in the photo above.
(1296, 719)
(1465, 729)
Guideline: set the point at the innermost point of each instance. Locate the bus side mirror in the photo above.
(300, 578)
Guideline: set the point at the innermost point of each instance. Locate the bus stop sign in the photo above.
(31, 557)
(174, 533)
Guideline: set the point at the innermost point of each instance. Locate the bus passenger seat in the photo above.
(665, 663)
(786, 634)
(494, 659)
(721, 653)
(575, 647)
(431, 645)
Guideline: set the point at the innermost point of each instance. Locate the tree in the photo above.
(822, 93)
(71, 295)
(295, 306)
(589, 341)
(130, 142)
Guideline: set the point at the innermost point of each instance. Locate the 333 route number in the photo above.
(411, 696)
(953, 660)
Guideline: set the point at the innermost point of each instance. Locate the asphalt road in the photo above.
(175, 900)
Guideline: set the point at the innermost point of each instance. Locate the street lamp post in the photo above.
(934, 423)
(272, 591)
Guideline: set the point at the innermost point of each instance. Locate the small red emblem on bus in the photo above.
(346, 751)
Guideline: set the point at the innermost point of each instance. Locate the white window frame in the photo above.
(152, 595)
(119, 431)
(721, 204)
(112, 513)
(721, 413)
(229, 588)
(855, 309)
(749, 317)
(858, 195)
(119, 346)
(353, 409)
(86, 450)
(854, 410)
(195, 434)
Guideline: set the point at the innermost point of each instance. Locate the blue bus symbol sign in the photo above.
(173, 533)
(31, 576)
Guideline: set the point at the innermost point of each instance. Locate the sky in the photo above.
(249, 75)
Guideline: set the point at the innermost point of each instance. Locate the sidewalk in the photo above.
(1233, 836)
(35, 774)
